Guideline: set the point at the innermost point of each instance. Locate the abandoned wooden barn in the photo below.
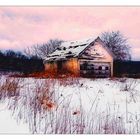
(90, 58)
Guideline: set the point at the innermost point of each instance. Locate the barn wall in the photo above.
(72, 66)
(106, 56)
(51, 67)
(98, 54)
(91, 68)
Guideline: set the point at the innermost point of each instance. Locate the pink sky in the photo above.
(24, 26)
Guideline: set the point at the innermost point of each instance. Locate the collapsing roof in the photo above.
(70, 49)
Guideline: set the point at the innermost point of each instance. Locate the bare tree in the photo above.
(118, 44)
(42, 50)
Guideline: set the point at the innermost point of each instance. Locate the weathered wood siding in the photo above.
(51, 67)
(95, 69)
(70, 65)
(98, 56)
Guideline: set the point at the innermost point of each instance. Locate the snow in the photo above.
(111, 103)
(9, 125)
(108, 92)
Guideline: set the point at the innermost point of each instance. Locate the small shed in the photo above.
(89, 58)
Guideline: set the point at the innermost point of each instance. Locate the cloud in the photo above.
(24, 26)
(4, 44)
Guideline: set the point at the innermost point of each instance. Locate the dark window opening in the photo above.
(106, 68)
(100, 68)
(64, 48)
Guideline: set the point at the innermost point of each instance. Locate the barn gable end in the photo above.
(96, 60)
(96, 51)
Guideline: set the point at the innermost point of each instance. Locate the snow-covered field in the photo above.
(69, 106)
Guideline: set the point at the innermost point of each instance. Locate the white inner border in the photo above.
(69, 2)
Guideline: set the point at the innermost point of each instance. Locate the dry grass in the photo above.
(42, 75)
(50, 113)
(10, 88)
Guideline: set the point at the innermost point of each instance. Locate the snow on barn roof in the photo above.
(69, 49)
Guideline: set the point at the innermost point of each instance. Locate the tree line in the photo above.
(127, 69)
(19, 62)
(30, 60)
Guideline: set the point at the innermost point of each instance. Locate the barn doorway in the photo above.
(59, 66)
